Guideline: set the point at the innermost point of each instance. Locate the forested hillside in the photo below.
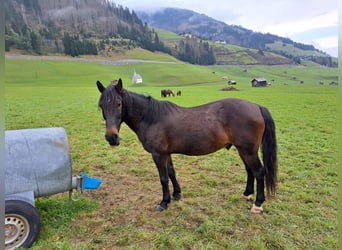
(182, 21)
(74, 27)
(101, 27)
(79, 27)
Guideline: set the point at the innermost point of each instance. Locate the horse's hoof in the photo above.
(176, 197)
(160, 208)
(248, 197)
(256, 210)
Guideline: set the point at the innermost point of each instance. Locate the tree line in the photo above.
(196, 52)
(91, 33)
(74, 46)
(28, 41)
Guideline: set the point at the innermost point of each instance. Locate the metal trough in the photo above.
(37, 163)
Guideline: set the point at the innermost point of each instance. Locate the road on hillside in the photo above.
(80, 59)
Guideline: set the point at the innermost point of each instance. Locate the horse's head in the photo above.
(111, 104)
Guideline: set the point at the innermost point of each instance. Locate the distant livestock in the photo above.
(166, 93)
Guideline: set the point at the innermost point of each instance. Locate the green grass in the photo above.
(154, 56)
(211, 215)
(167, 35)
(291, 50)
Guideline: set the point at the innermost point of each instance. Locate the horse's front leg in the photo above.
(172, 174)
(161, 162)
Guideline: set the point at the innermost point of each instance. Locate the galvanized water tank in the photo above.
(37, 160)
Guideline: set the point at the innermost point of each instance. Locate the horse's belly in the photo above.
(198, 146)
(194, 152)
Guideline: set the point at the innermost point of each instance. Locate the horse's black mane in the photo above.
(139, 106)
(150, 109)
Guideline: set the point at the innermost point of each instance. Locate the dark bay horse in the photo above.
(165, 128)
(166, 93)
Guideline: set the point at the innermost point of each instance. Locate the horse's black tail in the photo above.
(269, 152)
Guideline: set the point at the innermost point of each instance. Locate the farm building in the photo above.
(136, 79)
(259, 82)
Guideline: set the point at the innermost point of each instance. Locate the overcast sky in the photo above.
(307, 21)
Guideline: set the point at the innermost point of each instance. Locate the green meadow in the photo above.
(211, 214)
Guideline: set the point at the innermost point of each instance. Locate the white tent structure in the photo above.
(136, 79)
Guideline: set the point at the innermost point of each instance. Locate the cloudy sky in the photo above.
(308, 21)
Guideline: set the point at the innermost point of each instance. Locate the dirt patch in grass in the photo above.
(127, 203)
(231, 88)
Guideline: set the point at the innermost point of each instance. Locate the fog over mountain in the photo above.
(291, 19)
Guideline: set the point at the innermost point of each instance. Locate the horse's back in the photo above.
(242, 107)
(206, 128)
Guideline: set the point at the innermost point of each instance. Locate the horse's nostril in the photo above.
(113, 139)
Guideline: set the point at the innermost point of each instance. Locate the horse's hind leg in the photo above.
(249, 191)
(172, 175)
(254, 170)
(247, 195)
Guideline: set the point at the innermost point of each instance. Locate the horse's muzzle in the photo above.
(113, 139)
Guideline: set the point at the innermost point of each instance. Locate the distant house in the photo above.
(136, 79)
(186, 34)
(259, 82)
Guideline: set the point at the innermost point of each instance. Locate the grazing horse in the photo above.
(166, 92)
(164, 128)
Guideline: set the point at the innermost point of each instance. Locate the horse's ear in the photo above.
(118, 86)
(100, 87)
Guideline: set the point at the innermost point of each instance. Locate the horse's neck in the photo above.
(134, 111)
(142, 111)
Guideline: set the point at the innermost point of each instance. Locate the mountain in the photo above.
(182, 21)
(74, 27)
(80, 27)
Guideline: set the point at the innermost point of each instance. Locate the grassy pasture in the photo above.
(211, 215)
